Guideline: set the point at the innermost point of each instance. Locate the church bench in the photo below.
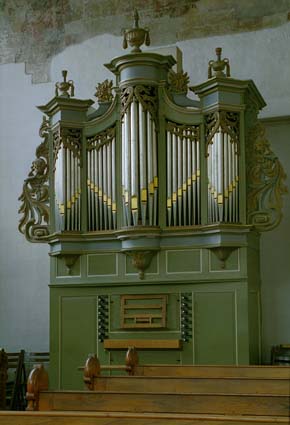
(121, 418)
(190, 379)
(271, 372)
(227, 404)
(161, 384)
(16, 382)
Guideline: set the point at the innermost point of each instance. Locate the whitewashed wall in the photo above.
(263, 56)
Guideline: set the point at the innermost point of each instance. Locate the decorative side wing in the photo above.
(34, 223)
(265, 182)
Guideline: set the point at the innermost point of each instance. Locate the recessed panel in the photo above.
(77, 338)
(215, 327)
(102, 264)
(183, 261)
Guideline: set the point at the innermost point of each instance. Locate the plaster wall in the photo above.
(263, 56)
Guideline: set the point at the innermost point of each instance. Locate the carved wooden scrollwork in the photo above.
(69, 138)
(265, 182)
(34, 223)
(227, 121)
(101, 139)
(145, 95)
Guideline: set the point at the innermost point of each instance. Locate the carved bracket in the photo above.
(223, 253)
(140, 259)
(70, 260)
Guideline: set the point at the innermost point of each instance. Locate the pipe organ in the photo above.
(139, 155)
(67, 178)
(152, 204)
(101, 181)
(183, 174)
(223, 167)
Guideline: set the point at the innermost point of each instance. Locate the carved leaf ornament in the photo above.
(35, 194)
(265, 181)
(146, 95)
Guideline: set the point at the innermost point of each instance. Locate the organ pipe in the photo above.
(66, 180)
(223, 176)
(101, 187)
(139, 158)
(182, 171)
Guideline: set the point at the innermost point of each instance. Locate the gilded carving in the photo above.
(104, 91)
(100, 139)
(136, 36)
(66, 88)
(178, 81)
(265, 182)
(227, 121)
(146, 95)
(141, 260)
(34, 223)
(192, 132)
(69, 138)
(219, 65)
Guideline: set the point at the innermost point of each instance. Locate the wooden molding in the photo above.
(155, 344)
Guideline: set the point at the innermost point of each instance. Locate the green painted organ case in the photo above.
(152, 204)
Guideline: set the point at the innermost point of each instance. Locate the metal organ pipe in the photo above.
(223, 179)
(150, 181)
(198, 205)
(143, 164)
(182, 163)
(155, 173)
(174, 178)
(101, 174)
(134, 162)
(189, 180)
(169, 177)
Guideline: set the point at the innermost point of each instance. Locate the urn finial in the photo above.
(219, 65)
(66, 88)
(136, 36)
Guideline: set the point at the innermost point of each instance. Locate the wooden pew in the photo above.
(117, 418)
(16, 383)
(213, 371)
(215, 390)
(3, 378)
(212, 395)
(33, 358)
(179, 403)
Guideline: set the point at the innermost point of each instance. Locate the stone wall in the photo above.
(34, 31)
